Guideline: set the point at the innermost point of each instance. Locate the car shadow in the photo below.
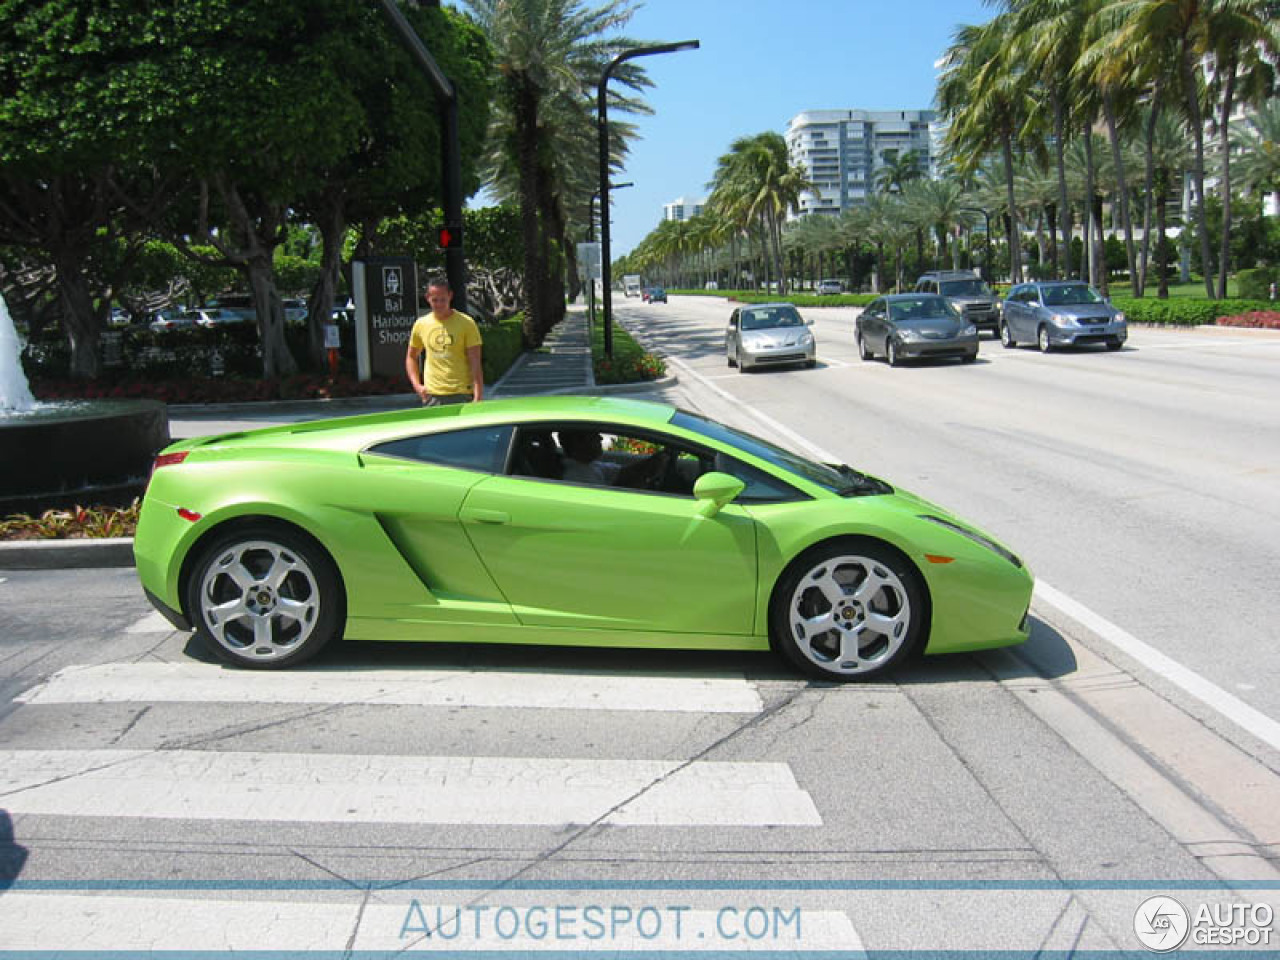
(13, 857)
(1045, 654)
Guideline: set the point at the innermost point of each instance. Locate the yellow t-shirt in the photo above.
(444, 344)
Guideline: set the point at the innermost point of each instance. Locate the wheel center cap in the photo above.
(262, 600)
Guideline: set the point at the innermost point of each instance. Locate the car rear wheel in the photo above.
(1042, 339)
(1006, 336)
(850, 609)
(265, 597)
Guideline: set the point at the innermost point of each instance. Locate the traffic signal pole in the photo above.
(455, 264)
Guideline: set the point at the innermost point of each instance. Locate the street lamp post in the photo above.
(606, 270)
(591, 238)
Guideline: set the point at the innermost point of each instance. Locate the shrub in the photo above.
(1256, 284)
(1183, 313)
(1259, 319)
(503, 343)
(74, 523)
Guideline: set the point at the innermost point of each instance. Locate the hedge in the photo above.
(799, 299)
(1256, 284)
(1184, 313)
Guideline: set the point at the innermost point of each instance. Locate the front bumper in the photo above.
(927, 349)
(1086, 334)
(769, 356)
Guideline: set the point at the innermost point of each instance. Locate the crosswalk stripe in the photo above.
(199, 682)
(207, 785)
(121, 924)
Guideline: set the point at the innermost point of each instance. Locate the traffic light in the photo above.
(449, 236)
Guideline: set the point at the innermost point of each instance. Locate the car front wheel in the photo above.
(1042, 340)
(850, 609)
(893, 356)
(265, 597)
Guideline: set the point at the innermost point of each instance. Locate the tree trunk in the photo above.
(333, 227)
(1091, 217)
(1064, 202)
(276, 358)
(525, 114)
(81, 325)
(1122, 188)
(1163, 283)
(1197, 170)
(1227, 96)
(1148, 180)
(1015, 235)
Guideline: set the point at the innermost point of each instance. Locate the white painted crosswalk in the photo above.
(208, 683)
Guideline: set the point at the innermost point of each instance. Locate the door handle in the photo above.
(476, 515)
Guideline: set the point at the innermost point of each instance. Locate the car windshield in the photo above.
(1064, 294)
(771, 317)
(964, 288)
(841, 480)
(920, 309)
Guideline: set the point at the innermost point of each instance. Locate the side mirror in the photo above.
(714, 490)
(808, 321)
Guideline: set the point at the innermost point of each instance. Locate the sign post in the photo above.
(386, 295)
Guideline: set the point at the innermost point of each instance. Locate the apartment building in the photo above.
(842, 151)
(682, 208)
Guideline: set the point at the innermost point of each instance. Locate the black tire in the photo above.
(732, 362)
(969, 358)
(1006, 336)
(272, 627)
(898, 602)
(864, 352)
(1114, 344)
(810, 364)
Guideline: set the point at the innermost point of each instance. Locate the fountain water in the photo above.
(57, 454)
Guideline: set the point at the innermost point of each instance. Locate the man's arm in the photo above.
(412, 367)
(477, 373)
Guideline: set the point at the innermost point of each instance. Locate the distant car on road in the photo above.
(826, 287)
(914, 325)
(967, 292)
(167, 320)
(219, 317)
(1059, 314)
(654, 295)
(766, 334)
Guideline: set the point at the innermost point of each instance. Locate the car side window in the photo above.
(482, 449)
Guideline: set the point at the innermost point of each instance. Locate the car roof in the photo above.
(767, 306)
(357, 432)
(894, 297)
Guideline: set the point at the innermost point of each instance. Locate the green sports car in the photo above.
(560, 520)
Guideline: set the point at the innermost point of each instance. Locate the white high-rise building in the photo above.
(843, 150)
(682, 208)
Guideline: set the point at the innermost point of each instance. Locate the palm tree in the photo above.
(940, 204)
(756, 184)
(549, 54)
(900, 168)
(1170, 155)
(1258, 139)
(985, 95)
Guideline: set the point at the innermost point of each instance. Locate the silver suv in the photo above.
(968, 293)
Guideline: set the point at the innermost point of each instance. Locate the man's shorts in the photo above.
(444, 399)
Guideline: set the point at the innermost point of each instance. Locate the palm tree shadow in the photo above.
(12, 856)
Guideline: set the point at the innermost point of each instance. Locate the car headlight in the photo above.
(975, 537)
(911, 336)
(969, 331)
(1062, 320)
(806, 338)
(1119, 317)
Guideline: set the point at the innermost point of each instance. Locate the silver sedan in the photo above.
(767, 334)
(1061, 314)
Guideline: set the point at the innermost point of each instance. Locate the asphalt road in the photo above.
(1024, 800)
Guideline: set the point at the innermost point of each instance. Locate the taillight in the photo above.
(169, 460)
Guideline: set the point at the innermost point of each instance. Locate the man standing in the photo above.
(451, 341)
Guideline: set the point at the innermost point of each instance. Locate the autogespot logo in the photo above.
(1162, 924)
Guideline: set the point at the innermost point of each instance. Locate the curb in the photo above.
(66, 554)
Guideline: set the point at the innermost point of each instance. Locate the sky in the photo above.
(760, 63)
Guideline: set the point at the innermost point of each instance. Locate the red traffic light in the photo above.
(449, 237)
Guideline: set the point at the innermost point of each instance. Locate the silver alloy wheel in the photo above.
(259, 600)
(892, 353)
(1042, 339)
(863, 352)
(849, 615)
(1006, 335)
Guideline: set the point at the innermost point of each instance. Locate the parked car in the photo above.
(295, 310)
(914, 325)
(767, 334)
(455, 524)
(219, 317)
(968, 293)
(654, 295)
(167, 320)
(1059, 314)
(826, 287)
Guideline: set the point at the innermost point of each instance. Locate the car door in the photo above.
(1015, 312)
(869, 320)
(583, 556)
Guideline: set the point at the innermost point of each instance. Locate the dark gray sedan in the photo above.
(914, 325)
(1061, 313)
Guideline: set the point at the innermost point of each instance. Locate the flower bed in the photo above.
(75, 523)
(1257, 319)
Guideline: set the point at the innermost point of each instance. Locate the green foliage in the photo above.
(630, 363)
(1183, 313)
(1256, 284)
(295, 275)
(799, 299)
(502, 345)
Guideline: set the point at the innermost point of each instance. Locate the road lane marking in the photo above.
(201, 682)
(1233, 708)
(392, 922)
(351, 788)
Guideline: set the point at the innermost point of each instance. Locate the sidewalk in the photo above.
(561, 365)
